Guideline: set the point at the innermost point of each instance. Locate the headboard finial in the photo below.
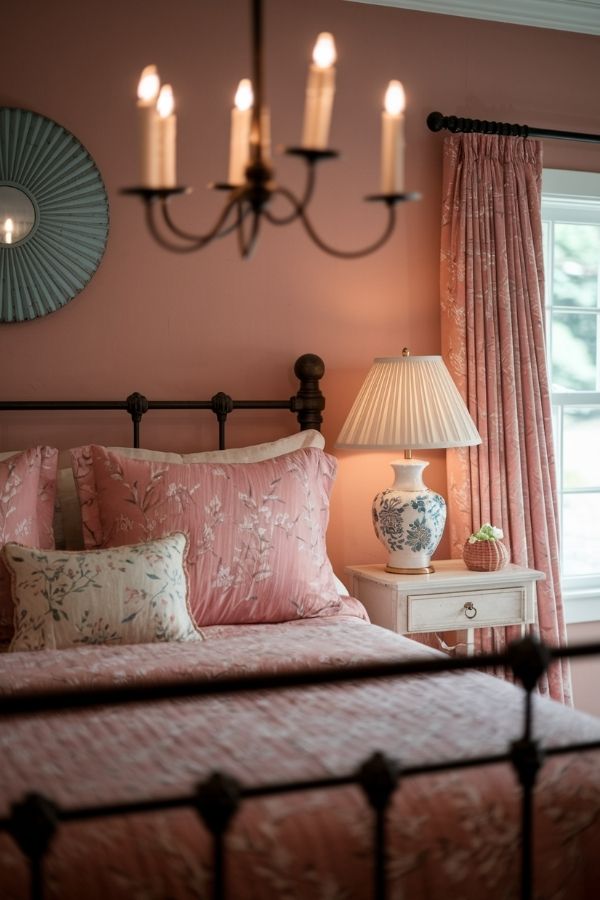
(309, 402)
(309, 367)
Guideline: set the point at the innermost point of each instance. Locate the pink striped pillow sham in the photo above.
(256, 530)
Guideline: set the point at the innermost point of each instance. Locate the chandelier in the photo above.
(251, 185)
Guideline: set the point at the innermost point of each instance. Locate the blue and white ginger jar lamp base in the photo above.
(409, 519)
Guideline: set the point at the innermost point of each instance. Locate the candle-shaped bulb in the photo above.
(395, 99)
(244, 96)
(239, 140)
(166, 101)
(147, 94)
(148, 86)
(324, 53)
(392, 140)
(320, 90)
(163, 140)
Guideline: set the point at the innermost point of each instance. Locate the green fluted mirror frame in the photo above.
(53, 216)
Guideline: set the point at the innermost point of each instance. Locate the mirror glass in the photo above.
(17, 215)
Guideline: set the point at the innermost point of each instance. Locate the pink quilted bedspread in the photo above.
(454, 836)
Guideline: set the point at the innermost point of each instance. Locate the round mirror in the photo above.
(17, 215)
(53, 216)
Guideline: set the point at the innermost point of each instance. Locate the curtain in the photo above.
(493, 342)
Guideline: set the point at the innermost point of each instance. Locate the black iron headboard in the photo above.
(307, 403)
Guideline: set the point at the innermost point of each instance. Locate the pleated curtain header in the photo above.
(408, 403)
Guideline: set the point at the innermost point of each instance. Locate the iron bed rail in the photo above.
(33, 822)
(307, 403)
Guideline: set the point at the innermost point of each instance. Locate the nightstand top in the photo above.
(449, 573)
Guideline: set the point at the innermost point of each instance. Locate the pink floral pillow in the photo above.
(27, 488)
(256, 530)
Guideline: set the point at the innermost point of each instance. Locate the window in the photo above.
(571, 223)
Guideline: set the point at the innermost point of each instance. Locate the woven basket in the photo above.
(485, 556)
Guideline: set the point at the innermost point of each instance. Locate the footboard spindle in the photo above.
(528, 660)
(32, 824)
(378, 777)
(217, 801)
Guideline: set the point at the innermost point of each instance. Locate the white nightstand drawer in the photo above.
(465, 609)
(411, 604)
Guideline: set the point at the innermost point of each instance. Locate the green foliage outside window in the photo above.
(575, 289)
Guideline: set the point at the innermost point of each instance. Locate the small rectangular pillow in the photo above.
(129, 595)
(256, 530)
(70, 515)
(27, 489)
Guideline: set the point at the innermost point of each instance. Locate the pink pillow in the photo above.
(256, 530)
(27, 488)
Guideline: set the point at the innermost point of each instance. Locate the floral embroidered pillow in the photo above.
(27, 489)
(70, 514)
(126, 595)
(256, 530)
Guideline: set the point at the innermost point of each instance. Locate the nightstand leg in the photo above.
(470, 641)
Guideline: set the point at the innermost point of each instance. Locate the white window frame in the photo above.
(572, 197)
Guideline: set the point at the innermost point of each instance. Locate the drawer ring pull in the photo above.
(470, 610)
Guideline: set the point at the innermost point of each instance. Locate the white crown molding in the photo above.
(573, 192)
(582, 16)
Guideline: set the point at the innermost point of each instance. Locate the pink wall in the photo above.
(177, 327)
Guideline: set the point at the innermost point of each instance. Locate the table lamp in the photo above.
(408, 403)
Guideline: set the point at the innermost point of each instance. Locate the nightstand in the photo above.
(452, 598)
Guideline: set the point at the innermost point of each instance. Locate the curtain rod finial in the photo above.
(435, 121)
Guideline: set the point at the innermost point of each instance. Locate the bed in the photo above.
(311, 756)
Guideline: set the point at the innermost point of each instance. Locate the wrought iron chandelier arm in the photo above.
(160, 238)
(298, 206)
(311, 157)
(241, 213)
(195, 242)
(220, 228)
(333, 251)
(247, 242)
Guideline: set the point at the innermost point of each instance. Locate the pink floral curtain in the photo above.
(492, 299)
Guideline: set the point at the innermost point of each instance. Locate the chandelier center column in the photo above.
(258, 81)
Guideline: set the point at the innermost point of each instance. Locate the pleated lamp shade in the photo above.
(408, 403)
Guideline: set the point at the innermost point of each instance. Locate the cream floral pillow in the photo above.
(128, 595)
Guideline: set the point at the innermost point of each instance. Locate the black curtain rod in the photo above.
(458, 124)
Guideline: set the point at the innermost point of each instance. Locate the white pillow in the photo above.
(125, 595)
(68, 500)
(340, 587)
